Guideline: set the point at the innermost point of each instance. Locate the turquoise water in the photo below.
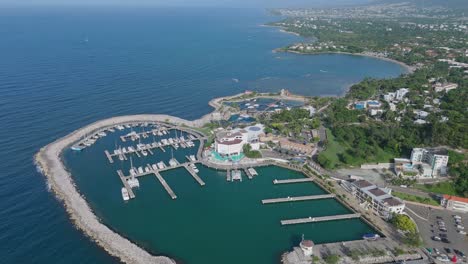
(206, 224)
(136, 60)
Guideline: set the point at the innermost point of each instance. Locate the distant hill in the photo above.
(451, 4)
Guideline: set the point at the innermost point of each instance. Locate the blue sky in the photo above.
(225, 3)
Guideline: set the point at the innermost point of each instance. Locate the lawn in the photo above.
(438, 188)
(414, 198)
(335, 148)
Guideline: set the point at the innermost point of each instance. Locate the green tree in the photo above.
(404, 223)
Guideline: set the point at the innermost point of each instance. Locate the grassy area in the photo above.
(335, 148)
(439, 188)
(414, 198)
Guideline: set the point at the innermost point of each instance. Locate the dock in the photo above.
(298, 198)
(125, 183)
(109, 157)
(165, 185)
(292, 181)
(319, 219)
(228, 175)
(194, 175)
(150, 151)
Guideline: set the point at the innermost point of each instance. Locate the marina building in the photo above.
(455, 203)
(306, 149)
(231, 142)
(379, 200)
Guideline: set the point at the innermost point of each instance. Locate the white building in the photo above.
(436, 161)
(455, 203)
(377, 199)
(396, 96)
(440, 87)
(400, 93)
(232, 142)
(311, 110)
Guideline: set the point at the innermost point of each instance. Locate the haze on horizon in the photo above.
(185, 3)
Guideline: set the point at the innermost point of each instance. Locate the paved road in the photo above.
(410, 191)
(426, 217)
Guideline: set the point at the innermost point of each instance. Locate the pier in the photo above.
(228, 175)
(165, 185)
(109, 156)
(125, 183)
(298, 198)
(319, 219)
(292, 181)
(194, 175)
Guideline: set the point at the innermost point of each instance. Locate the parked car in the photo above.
(445, 240)
(461, 232)
(443, 258)
(448, 250)
(436, 238)
(460, 227)
(459, 253)
(436, 251)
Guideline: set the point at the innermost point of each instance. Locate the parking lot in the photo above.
(426, 219)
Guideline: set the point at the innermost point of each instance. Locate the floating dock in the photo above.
(298, 198)
(292, 181)
(319, 219)
(109, 156)
(194, 175)
(125, 183)
(165, 185)
(228, 175)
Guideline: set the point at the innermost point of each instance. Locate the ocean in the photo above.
(62, 68)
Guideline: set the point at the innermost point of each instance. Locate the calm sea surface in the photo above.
(63, 68)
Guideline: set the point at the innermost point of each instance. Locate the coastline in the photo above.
(409, 69)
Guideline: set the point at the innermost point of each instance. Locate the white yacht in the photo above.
(125, 195)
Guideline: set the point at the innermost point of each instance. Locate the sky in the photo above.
(223, 3)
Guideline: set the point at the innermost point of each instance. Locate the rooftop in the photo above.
(391, 201)
(362, 184)
(455, 198)
(377, 192)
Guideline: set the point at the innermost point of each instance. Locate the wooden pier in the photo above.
(109, 156)
(165, 185)
(298, 198)
(125, 183)
(292, 180)
(319, 219)
(194, 175)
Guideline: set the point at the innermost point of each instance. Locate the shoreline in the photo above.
(409, 69)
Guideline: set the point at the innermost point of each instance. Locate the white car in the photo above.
(443, 258)
(462, 232)
(460, 227)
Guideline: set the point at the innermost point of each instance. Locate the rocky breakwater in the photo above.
(50, 163)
